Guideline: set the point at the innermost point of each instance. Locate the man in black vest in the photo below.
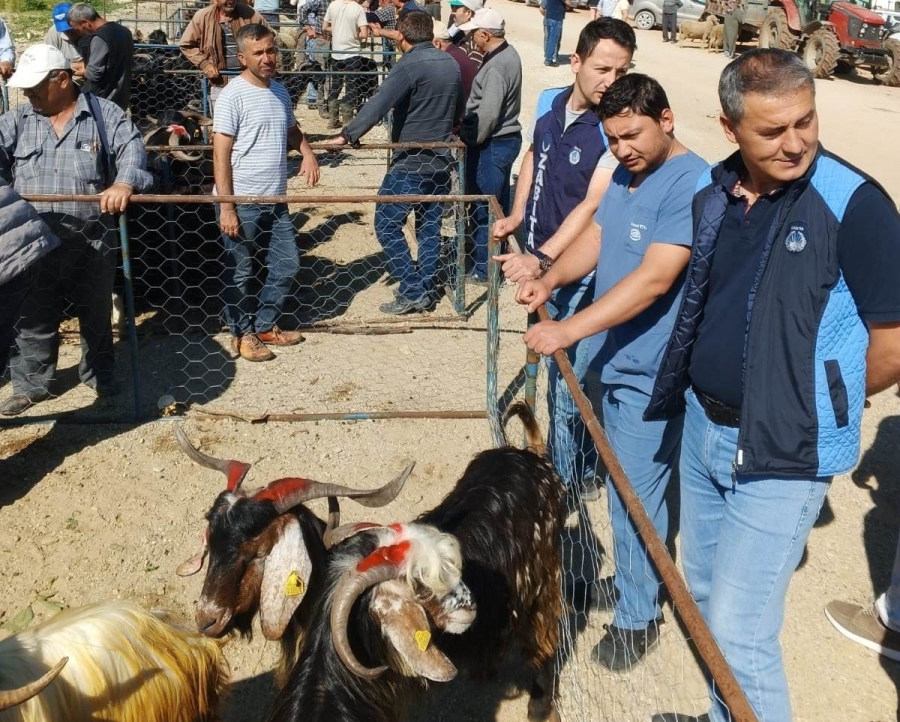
(110, 54)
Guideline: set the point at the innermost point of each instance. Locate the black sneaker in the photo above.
(17, 403)
(676, 717)
(622, 649)
(401, 305)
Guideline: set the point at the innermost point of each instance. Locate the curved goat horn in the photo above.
(351, 587)
(288, 493)
(13, 697)
(335, 535)
(175, 140)
(234, 470)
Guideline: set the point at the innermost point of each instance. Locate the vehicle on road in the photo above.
(832, 38)
(647, 14)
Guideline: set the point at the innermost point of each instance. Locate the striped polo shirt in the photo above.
(259, 120)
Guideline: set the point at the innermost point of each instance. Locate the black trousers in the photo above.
(12, 296)
(356, 85)
(670, 26)
(79, 274)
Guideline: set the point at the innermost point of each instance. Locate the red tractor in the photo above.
(830, 37)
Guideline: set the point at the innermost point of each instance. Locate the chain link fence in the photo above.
(673, 676)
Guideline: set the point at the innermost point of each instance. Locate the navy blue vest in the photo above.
(563, 164)
(804, 371)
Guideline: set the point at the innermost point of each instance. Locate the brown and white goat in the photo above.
(124, 665)
(458, 587)
(265, 551)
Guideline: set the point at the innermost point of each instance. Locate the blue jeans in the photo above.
(416, 278)
(647, 451)
(488, 168)
(552, 39)
(570, 446)
(741, 541)
(267, 228)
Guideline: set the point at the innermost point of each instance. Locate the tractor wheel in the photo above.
(820, 53)
(891, 75)
(775, 32)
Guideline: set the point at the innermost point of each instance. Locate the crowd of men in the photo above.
(731, 319)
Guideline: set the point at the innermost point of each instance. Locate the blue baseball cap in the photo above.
(60, 19)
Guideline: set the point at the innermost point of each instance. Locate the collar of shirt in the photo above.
(496, 51)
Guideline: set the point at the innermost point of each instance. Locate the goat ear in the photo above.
(405, 625)
(285, 577)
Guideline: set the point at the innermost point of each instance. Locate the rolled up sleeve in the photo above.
(131, 158)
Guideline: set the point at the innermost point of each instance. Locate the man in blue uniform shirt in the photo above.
(645, 226)
(790, 318)
(567, 142)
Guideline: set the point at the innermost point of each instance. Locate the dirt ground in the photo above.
(94, 511)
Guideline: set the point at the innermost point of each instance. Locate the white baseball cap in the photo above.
(485, 19)
(35, 64)
(473, 5)
(440, 31)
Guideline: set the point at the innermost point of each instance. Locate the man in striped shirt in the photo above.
(254, 125)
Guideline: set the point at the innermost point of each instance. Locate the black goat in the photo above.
(405, 596)
(266, 552)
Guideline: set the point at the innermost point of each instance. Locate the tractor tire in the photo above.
(820, 53)
(891, 76)
(775, 32)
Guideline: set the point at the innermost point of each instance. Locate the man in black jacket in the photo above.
(425, 92)
(109, 57)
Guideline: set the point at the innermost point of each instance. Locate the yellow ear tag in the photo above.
(294, 585)
(423, 638)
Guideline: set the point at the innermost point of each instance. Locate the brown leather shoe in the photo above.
(276, 337)
(253, 349)
(236, 345)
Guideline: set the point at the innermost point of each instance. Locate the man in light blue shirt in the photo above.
(7, 52)
(646, 232)
(269, 10)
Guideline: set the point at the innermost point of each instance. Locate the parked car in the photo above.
(647, 14)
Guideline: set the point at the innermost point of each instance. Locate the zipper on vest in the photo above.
(738, 461)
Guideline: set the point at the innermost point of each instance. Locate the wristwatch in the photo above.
(544, 261)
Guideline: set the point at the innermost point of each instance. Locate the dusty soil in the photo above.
(93, 511)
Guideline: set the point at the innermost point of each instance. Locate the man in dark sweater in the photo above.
(425, 94)
(110, 55)
(670, 20)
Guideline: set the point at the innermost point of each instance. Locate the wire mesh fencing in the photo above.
(319, 265)
(603, 675)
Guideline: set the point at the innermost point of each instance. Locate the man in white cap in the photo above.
(462, 12)
(69, 143)
(468, 68)
(491, 129)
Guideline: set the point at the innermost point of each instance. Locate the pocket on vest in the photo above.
(838, 392)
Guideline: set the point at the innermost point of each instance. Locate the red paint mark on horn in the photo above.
(393, 555)
(280, 488)
(237, 470)
(396, 527)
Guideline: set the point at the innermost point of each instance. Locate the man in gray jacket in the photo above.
(491, 128)
(670, 20)
(425, 92)
(24, 240)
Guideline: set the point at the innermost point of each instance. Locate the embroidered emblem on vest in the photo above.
(575, 155)
(796, 238)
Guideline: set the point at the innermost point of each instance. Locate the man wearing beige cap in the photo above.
(69, 143)
(491, 128)
(468, 68)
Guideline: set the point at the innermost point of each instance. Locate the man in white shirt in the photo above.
(346, 21)
(254, 125)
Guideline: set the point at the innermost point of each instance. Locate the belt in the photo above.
(717, 412)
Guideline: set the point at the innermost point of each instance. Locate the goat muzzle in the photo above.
(17, 696)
